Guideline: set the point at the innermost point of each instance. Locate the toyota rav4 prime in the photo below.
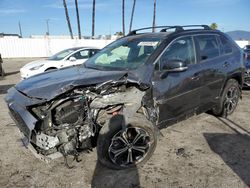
(119, 99)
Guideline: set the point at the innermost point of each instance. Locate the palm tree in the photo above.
(123, 17)
(67, 18)
(93, 19)
(78, 20)
(153, 29)
(132, 16)
(214, 26)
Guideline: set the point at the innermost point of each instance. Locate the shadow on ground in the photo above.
(11, 73)
(104, 177)
(234, 149)
(4, 88)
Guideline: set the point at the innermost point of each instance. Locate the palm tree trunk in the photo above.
(67, 18)
(123, 17)
(132, 16)
(78, 20)
(93, 20)
(153, 29)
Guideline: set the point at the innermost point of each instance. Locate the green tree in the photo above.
(214, 26)
(67, 18)
(119, 33)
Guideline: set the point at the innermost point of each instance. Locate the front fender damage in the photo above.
(130, 99)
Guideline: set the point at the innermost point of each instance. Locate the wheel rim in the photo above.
(129, 146)
(231, 100)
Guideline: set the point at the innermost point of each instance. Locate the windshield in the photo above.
(126, 53)
(60, 55)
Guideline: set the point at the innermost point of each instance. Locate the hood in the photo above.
(51, 84)
(37, 63)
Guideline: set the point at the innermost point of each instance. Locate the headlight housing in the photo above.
(36, 67)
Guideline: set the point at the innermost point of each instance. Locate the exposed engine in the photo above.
(70, 124)
(66, 126)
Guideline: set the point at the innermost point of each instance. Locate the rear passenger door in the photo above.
(212, 75)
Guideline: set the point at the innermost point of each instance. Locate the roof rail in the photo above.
(177, 28)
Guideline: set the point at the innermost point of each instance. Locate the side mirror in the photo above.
(72, 58)
(174, 66)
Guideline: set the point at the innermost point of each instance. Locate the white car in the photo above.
(65, 58)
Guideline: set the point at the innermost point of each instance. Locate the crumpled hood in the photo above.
(51, 84)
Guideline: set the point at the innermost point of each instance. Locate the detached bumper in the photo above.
(17, 104)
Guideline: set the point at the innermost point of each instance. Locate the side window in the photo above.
(225, 45)
(181, 49)
(84, 54)
(208, 46)
(93, 52)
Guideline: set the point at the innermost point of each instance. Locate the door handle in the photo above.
(195, 77)
(226, 64)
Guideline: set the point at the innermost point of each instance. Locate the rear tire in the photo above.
(229, 99)
(132, 146)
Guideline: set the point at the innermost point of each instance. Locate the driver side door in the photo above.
(177, 93)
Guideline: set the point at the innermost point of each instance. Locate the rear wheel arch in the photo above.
(237, 77)
(50, 68)
(219, 109)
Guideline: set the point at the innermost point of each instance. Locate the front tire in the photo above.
(122, 147)
(229, 99)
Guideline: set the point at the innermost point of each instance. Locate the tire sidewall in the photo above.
(110, 129)
(220, 111)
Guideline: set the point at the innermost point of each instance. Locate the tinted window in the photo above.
(208, 46)
(84, 54)
(226, 45)
(60, 55)
(93, 52)
(181, 49)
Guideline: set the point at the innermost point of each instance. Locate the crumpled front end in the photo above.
(70, 123)
(17, 104)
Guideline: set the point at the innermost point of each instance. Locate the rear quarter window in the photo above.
(208, 47)
(226, 46)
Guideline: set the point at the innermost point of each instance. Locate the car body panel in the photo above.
(164, 96)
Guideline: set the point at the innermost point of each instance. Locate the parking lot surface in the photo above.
(203, 151)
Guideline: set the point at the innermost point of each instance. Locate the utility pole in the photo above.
(20, 29)
(47, 23)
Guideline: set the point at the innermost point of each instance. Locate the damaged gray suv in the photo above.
(119, 99)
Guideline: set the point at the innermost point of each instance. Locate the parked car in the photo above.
(247, 47)
(119, 99)
(247, 66)
(65, 58)
(1, 66)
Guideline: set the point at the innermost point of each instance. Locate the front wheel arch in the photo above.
(114, 126)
